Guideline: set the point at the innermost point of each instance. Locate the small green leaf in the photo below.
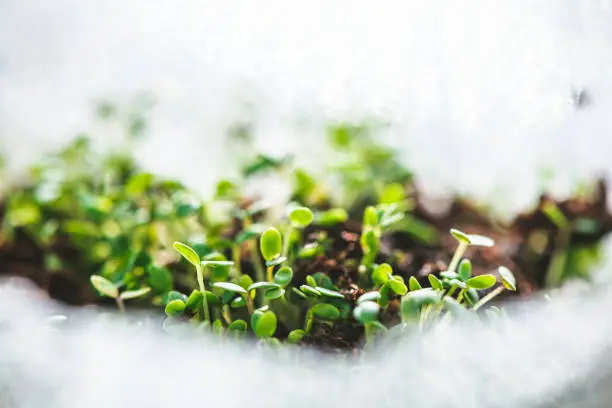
(309, 290)
(265, 325)
(381, 274)
(332, 217)
(274, 293)
(295, 336)
(370, 216)
(366, 312)
(301, 217)
(465, 270)
(414, 284)
(212, 299)
(507, 278)
(188, 253)
(481, 282)
(264, 285)
(104, 286)
(271, 244)
(369, 240)
(329, 293)
(132, 294)
(245, 281)
(481, 241)
(309, 251)
(471, 296)
(231, 287)
(323, 280)
(434, 282)
(225, 189)
(311, 281)
(397, 286)
(276, 261)
(460, 236)
(392, 193)
(369, 297)
(325, 311)
(195, 300)
(299, 293)
(175, 308)
(238, 325)
(283, 276)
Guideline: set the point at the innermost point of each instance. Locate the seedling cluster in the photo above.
(226, 265)
(236, 308)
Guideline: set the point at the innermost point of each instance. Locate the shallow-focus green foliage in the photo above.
(224, 265)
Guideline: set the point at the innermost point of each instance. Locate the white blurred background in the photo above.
(484, 96)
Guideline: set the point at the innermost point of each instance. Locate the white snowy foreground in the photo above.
(545, 355)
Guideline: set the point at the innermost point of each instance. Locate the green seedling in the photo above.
(299, 218)
(263, 323)
(237, 289)
(271, 246)
(508, 283)
(108, 289)
(465, 241)
(193, 258)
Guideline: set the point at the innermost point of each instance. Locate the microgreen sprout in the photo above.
(466, 240)
(108, 289)
(271, 244)
(299, 218)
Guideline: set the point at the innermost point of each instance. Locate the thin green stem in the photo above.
(236, 259)
(461, 295)
(120, 304)
(270, 274)
(249, 303)
(203, 290)
(226, 314)
(287, 240)
(259, 271)
(488, 297)
(309, 321)
(368, 332)
(451, 291)
(457, 256)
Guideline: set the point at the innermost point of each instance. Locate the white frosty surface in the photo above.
(546, 355)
